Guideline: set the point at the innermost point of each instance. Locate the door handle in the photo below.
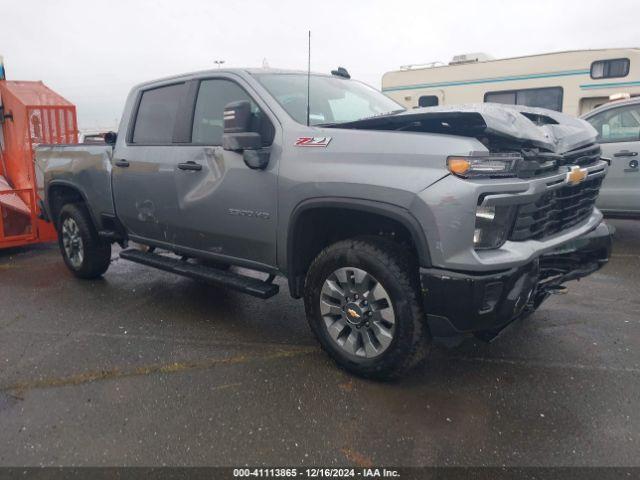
(625, 153)
(122, 163)
(190, 166)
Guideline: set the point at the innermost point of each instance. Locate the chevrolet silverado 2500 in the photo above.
(395, 226)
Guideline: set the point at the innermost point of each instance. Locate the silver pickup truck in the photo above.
(395, 226)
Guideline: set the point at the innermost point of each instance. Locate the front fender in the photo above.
(390, 211)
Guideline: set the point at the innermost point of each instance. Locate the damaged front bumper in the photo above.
(483, 304)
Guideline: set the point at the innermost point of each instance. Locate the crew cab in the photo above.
(395, 226)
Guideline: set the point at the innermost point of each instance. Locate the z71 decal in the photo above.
(312, 141)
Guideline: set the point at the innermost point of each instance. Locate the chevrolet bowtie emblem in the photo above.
(352, 313)
(576, 175)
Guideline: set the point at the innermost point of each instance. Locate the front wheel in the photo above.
(363, 304)
(83, 251)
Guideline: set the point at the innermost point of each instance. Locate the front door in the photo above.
(225, 208)
(619, 136)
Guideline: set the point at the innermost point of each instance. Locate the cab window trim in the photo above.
(187, 108)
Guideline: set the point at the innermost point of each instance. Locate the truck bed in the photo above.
(87, 167)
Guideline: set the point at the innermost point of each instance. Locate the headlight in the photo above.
(493, 224)
(490, 165)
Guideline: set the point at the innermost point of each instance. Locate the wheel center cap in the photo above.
(354, 313)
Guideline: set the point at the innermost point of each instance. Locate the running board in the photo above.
(214, 276)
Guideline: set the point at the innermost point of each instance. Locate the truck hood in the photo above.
(510, 125)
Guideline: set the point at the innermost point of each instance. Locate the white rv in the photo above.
(573, 82)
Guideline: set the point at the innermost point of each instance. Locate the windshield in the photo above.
(333, 99)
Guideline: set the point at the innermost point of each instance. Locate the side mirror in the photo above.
(238, 142)
(237, 136)
(110, 138)
(256, 159)
(237, 117)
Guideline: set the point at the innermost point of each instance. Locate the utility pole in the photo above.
(218, 62)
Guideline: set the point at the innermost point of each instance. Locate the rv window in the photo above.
(616, 68)
(428, 101)
(501, 97)
(550, 97)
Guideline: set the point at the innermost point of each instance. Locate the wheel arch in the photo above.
(302, 246)
(61, 192)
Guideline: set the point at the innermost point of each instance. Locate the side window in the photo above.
(208, 121)
(428, 101)
(548, 97)
(616, 68)
(618, 124)
(156, 116)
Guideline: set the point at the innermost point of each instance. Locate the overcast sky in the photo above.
(92, 52)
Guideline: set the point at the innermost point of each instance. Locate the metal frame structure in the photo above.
(32, 114)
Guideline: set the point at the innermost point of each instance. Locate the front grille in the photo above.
(581, 156)
(556, 210)
(541, 163)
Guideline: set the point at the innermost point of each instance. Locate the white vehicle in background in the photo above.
(573, 82)
(618, 126)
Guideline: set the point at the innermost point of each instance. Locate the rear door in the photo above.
(144, 166)
(619, 136)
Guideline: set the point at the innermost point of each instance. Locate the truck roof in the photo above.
(237, 71)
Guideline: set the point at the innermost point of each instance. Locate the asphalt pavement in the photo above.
(146, 368)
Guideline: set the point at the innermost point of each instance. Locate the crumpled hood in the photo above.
(527, 126)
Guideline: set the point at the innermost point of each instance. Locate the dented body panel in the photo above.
(85, 168)
(518, 124)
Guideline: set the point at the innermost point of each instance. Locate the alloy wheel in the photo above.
(357, 312)
(72, 242)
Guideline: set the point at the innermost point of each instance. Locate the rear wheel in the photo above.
(363, 304)
(83, 251)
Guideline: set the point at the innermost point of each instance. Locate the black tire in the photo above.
(96, 253)
(395, 269)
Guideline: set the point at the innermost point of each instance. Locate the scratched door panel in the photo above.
(227, 208)
(145, 194)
